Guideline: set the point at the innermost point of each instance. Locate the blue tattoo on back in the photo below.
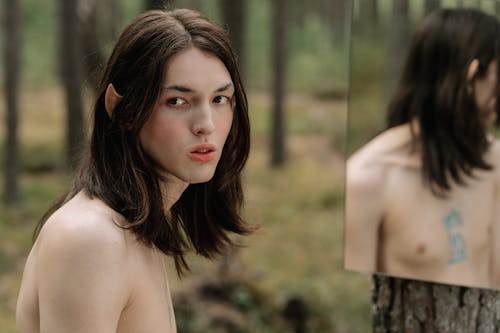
(452, 222)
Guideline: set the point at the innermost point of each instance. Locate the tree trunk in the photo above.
(11, 57)
(114, 8)
(297, 12)
(340, 15)
(233, 15)
(368, 12)
(279, 68)
(93, 59)
(399, 35)
(72, 78)
(401, 305)
(431, 5)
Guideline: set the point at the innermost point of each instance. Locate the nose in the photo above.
(203, 122)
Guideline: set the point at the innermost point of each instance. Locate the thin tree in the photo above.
(92, 56)
(297, 12)
(431, 5)
(279, 56)
(399, 35)
(233, 13)
(340, 15)
(99, 25)
(72, 77)
(368, 12)
(114, 8)
(12, 52)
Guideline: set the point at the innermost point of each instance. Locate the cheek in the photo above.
(159, 131)
(224, 123)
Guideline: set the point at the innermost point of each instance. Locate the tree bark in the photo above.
(409, 306)
(233, 16)
(12, 55)
(72, 78)
(279, 68)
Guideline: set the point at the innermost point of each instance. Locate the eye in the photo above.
(176, 102)
(221, 100)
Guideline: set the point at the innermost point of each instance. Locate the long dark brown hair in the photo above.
(433, 92)
(115, 168)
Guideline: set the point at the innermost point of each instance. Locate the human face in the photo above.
(192, 117)
(486, 92)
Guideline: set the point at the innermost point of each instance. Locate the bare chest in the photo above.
(437, 239)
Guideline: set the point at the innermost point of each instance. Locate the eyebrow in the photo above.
(189, 90)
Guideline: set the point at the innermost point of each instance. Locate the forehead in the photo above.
(196, 69)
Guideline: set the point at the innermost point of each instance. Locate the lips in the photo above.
(203, 153)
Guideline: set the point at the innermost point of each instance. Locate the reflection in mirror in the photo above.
(424, 163)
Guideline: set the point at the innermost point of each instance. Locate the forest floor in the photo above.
(296, 253)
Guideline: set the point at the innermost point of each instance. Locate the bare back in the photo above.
(396, 225)
(86, 274)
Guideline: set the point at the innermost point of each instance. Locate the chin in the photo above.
(199, 179)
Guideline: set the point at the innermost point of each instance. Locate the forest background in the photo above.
(289, 276)
(294, 262)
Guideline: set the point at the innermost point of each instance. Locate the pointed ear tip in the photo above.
(472, 69)
(111, 89)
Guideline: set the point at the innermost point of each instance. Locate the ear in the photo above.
(472, 70)
(111, 98)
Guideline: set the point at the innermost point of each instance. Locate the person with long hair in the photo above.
(421, 195)
(160, 176)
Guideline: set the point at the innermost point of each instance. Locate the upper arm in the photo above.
(82, 284)
(363, 215)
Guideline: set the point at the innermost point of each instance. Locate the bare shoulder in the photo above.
(83, 224)
(369, 164)
(82, 268)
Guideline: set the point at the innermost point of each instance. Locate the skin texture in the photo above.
(395, 225)
(193, 109)
(85, 273)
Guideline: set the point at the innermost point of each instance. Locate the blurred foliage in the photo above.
(298, 250)
(369, 95)
(315, 66)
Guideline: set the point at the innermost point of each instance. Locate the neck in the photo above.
(171, 190)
